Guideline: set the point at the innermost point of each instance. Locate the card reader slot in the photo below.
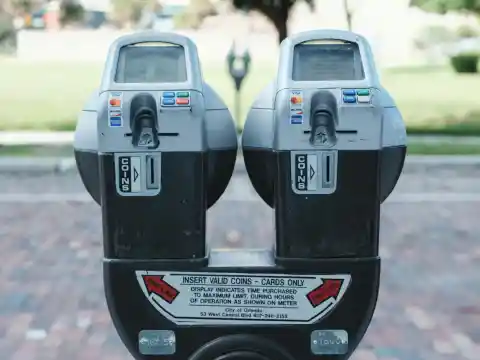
(347, 132)
(337, 131)
(159, 134)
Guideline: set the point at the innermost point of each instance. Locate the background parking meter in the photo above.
(335, 153)
(238, 68)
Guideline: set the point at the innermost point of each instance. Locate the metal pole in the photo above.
(238, 108)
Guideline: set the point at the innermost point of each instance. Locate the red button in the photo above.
(115, 102)
(296, 99)
(183, 101)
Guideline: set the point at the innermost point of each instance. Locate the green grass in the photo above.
(443, 149)
(48, 96)
(36, 151)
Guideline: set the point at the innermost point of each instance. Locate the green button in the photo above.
(183, 94)
(363, 92)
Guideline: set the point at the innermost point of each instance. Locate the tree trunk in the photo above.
(282, 30)
(348, 14)
(280, 21)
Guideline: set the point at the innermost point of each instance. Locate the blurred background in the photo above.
(51, 57)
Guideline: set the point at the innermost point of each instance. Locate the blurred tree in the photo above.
(443, 6)
(8, 33)
(195, 13)
(277, 11)
(202, 8)
(466, 57)
(19, 7)
(71, 12)
(130, 11)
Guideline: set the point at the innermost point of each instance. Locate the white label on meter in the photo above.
(214, 298)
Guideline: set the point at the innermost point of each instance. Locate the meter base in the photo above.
(156, 231)
(132, 312)
(339, 224)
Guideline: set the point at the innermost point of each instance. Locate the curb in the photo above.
(16, 164)
(28, 165)
(9, 138)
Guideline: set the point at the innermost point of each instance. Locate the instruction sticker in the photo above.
(115, 103)
(115, 118)
(115, 99)
(215, 298)
(296, 107)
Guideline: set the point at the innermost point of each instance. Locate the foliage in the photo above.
(8, 34)
(19, 7)
(71, 11)
(194, 14)
(277, 11)
(201, 8)
(443, 6)
(127, 11)
(434, 35)
(466, 31)
(465, 63)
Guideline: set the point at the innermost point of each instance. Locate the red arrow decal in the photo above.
(156, 285)
(329, 288)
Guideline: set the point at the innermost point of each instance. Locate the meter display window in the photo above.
(327, 62)
(151, 63)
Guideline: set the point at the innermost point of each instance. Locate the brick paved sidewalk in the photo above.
(52, 305)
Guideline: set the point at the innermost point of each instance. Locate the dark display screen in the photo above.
(151, 64)
(327, 62)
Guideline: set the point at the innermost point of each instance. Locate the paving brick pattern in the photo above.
(51, 296)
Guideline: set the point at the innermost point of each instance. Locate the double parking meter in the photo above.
(155, 147)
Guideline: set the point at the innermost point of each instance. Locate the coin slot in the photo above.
(153, 174)
(327, 170)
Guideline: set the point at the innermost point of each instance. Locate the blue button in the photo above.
(349, 92)
(168, 94)
(350, 99)
(168, 102)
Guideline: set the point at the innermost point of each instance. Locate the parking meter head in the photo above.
(324, 144)
(156, 147)
(238, 65)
